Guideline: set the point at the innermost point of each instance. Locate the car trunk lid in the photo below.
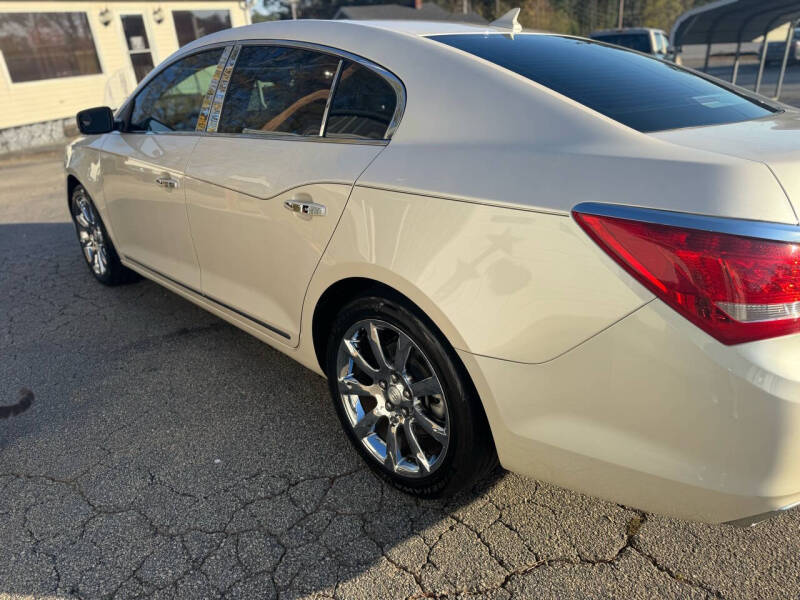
(773, 141)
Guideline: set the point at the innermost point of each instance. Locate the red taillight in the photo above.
(737, 289)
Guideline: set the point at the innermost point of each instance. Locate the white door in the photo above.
(256, 180)
(143, 169)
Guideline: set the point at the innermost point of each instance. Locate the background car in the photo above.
(642, 39)
(776, 50)
(489, 251)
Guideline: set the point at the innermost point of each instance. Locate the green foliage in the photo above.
(577, 17)
(583, 16)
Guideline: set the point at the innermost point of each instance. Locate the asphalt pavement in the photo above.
(169, 455)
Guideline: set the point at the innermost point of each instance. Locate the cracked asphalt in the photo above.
(170, 455)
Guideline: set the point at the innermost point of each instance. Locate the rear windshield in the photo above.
(638, 91)
(635, 41)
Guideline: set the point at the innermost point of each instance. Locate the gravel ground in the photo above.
(168, 454)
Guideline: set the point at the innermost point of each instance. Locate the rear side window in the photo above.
(171, 101)
(638, 91)
(277, 89)
(363, 104)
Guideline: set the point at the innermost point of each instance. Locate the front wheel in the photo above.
(405, 401)
(98, 249)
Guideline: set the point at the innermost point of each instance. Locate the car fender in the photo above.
(82, 160)
(519, 285)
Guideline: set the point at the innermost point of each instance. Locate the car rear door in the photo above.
(268, 182)
(143, 167)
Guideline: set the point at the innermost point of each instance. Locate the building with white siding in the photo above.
(60, 56)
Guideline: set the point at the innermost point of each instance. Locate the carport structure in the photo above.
(735, 22)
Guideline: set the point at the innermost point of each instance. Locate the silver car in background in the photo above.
(642, 39)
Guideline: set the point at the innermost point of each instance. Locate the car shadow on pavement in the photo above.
(169, 454)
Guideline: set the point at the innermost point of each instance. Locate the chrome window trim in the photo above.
(288, 137)
(399, 91)
(324, 125)
(765, 230)
(192, 132)
(391, 78)
(128, 104)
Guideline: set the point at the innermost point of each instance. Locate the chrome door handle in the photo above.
(303, 207)
(167, 182)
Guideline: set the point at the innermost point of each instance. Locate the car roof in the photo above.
(423, 28)
(356, 36)
(267, 29)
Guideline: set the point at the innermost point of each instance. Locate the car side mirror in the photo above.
(94, 121)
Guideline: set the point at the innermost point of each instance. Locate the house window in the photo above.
(193, 24)
(47, 45)
(138, 45)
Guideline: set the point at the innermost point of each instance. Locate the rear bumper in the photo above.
(653, 413)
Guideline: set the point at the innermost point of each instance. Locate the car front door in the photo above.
(268, 182)
(143, 168)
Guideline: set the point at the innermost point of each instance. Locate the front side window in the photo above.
(362, 106)
(171, 101)
(277, 89)
(193, 24)
(47, 45)
(662, 44)
(641, 92)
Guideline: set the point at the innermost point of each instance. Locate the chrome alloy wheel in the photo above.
(90, 234)
(393, 398)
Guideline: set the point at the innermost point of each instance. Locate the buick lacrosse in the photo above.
(563, 256)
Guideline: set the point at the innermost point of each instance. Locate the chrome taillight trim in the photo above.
(765, 230)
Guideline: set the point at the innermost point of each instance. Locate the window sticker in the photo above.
(219, 97)
(202, 119)
(717, 100)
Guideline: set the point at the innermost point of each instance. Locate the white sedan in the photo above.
(535, 249)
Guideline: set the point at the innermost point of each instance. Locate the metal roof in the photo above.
(732, 21)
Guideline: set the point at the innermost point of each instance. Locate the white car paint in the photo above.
(587, 381)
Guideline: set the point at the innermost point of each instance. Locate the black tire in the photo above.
(89, 224)
(470, 453)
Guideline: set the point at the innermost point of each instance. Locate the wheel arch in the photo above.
(72, 183)
(95, 191)
(337, 294)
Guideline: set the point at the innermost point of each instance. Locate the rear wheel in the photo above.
(98, 249)
(404, 400)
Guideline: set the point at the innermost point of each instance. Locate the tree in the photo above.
(577, 17)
